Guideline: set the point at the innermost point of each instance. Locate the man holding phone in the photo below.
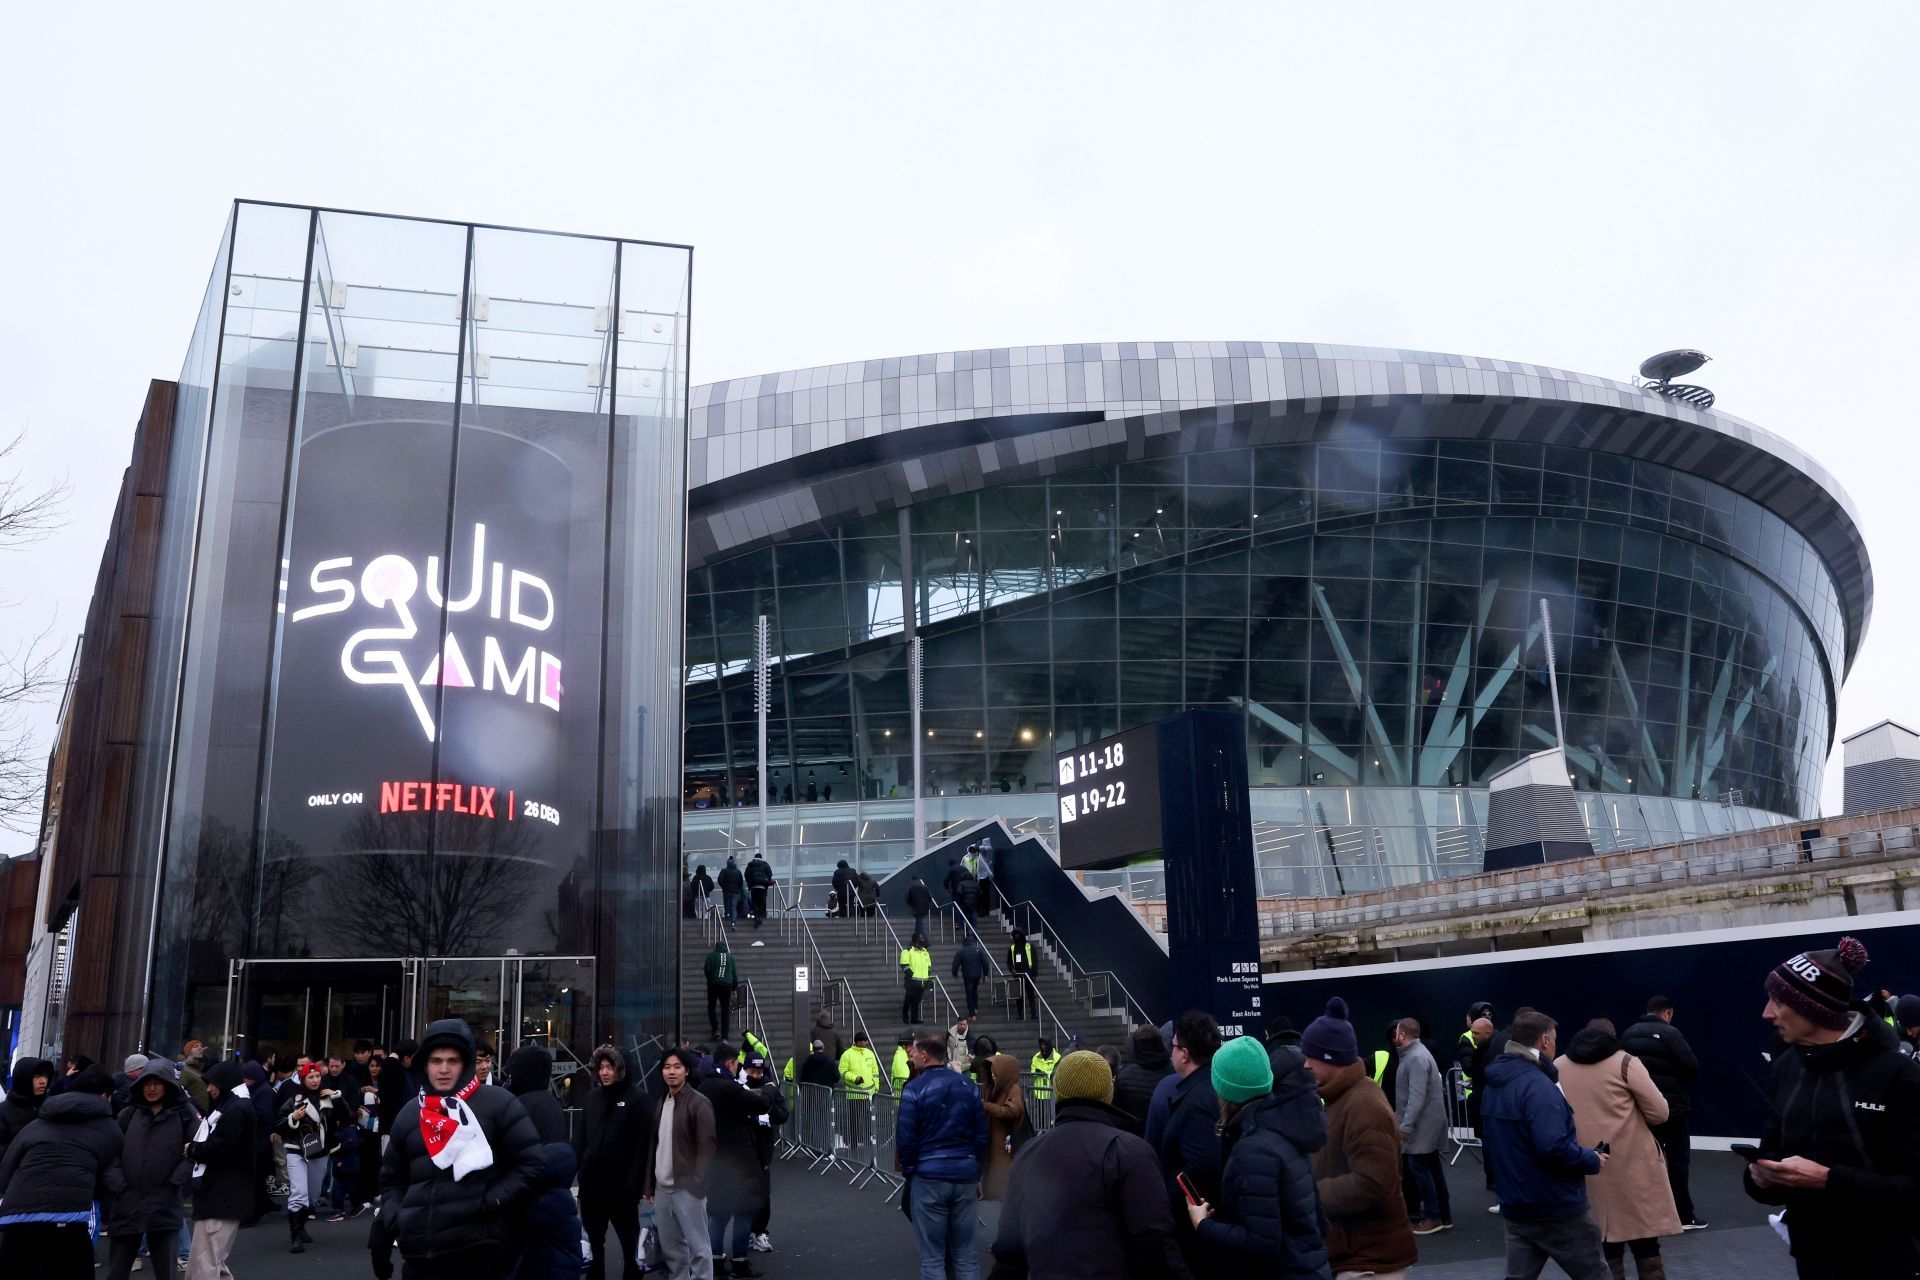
(1842, 1146)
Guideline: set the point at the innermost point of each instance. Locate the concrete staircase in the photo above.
(863, 954)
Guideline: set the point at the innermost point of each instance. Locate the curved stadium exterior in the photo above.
(1347, 545)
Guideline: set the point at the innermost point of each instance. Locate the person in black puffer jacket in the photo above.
(530, 1079)
(52, 1175)
(1268, 1219)
(1669, 1060)
(223, 1174)
(452, 1207)
(1133, 1087)
(158, 1123)
(32, 1077)
(613, 1143)
(1085, 1198)
(1841, 1149)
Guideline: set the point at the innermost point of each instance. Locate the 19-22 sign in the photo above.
(1109, 800)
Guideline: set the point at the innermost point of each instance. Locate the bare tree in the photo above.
(28, 674)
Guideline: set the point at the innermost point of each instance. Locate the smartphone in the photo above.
(1604, 1148)
(1186, 1185)
(1746, 1151)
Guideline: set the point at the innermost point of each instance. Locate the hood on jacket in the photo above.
(225, 1074)
(1293, 1108)
(156, 1069)
(1002, 1073)
(23, 1073)
(254, 1074)
(529, 1070)
(75, 1108)
(824, 1018)
(1590, 1045)
(607, 1053)
(1505, 1068)
(1150, 1051)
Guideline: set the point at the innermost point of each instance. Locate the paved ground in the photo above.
(822, 1230)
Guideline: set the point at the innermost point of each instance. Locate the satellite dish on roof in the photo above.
(1661, 370)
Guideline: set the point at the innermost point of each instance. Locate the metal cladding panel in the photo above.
(1881, 784)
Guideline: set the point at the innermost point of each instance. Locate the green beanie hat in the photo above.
(1241, 1071)
(1083, 1075)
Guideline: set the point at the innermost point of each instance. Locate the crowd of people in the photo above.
(1297, 1156)
(1300, 1157)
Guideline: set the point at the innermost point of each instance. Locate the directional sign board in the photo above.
(1109, 800)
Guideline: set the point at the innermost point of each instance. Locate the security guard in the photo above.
(916, 966)
(1042, 1067)
(753, 1046)
(860, 1073)
(901, 1070)
(1020, 964)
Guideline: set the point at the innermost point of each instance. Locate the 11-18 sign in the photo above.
(1109, 800)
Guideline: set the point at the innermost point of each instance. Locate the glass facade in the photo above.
(429, 643)
(1372, 607)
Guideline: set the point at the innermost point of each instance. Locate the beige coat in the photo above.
(1614, 1100)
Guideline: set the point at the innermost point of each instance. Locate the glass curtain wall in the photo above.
(1373, 608)
(444, 503)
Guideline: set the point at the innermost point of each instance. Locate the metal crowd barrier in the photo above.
(830, 1131)
(1459, 1117)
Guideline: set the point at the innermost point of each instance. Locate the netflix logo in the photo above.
(440, 797)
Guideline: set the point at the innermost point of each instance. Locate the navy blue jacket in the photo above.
(942, 1130)
(1540, 1169)
(970, 962)
(1187, 1141)
(1266, 1219)
(551, 1223)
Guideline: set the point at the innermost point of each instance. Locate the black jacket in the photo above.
(1133, 1087)
(843, 882)
(736, 1155)
(777, 1115)
(919, 899)
(731, 881)
(970, 962)
(224, 1190)
(1669, 1060)
(432, 1212)
(759, 873)
(551, 1223)
(396, 1089)
(1266, 1219)
(819, 1069)
(153, 1168)
(59, 1164)
(1085, 1200)
(530, 1078)
(1188, 1143)
(295, 1120)
(614, 1142)
(22, 1104)
(1854, 1106)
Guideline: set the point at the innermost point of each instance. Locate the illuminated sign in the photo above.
(1109, 800)
(389, 583)
(420, 685)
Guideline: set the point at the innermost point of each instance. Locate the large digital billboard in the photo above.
(1109, 800)
(427, 705)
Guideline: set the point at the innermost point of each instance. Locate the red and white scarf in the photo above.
(452, 1133)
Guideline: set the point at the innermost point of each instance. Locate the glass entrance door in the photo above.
(317, 1007)
(314, 1007)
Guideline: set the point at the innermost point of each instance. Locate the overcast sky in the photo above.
(1578, 189)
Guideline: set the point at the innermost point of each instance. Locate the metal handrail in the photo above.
(826, 975)
(1059, 945)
